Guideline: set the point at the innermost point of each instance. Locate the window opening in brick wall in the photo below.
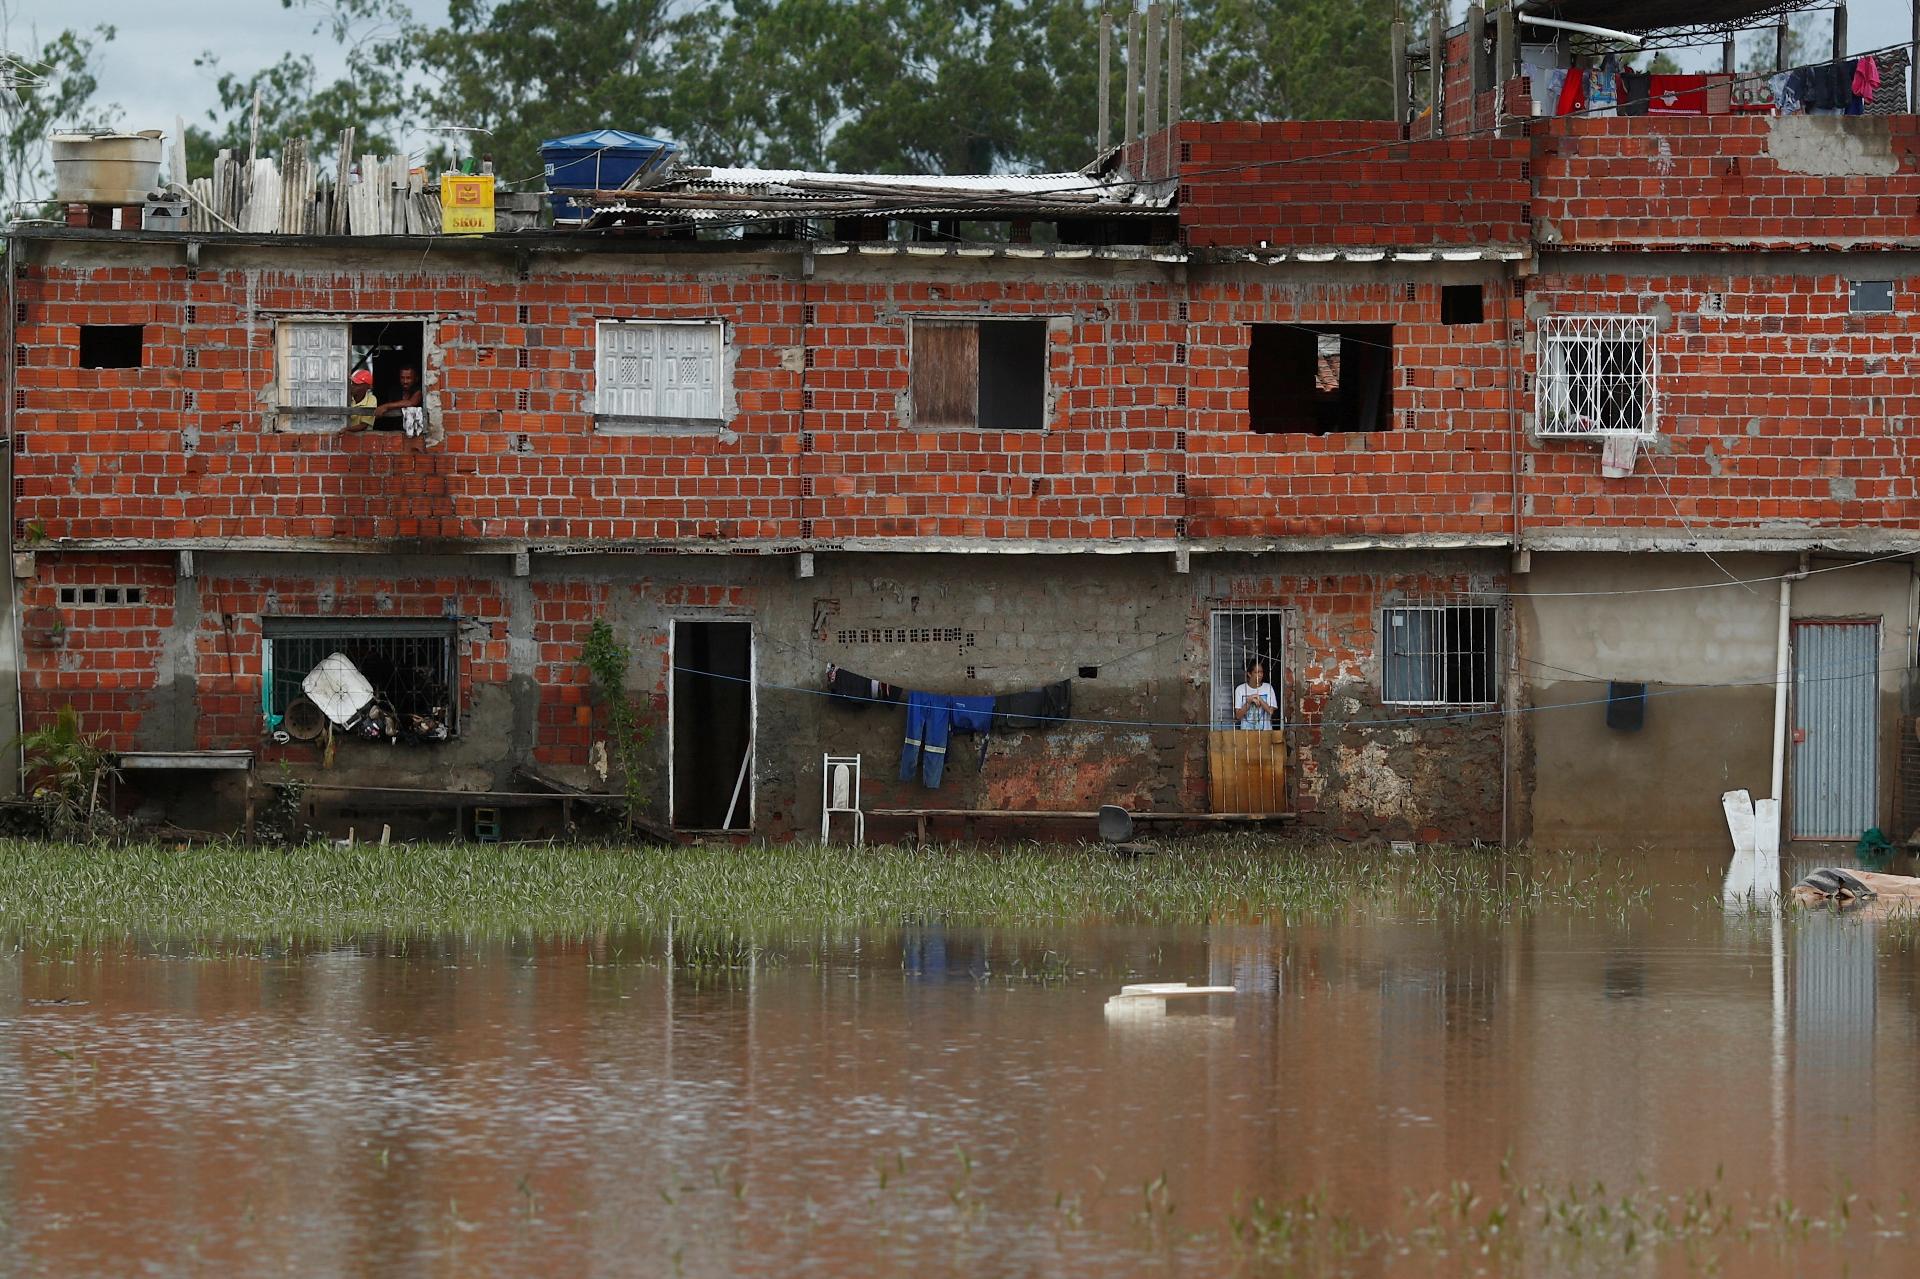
(1316, 380)
(1597, 375)
(1440, 655)
(1871, 296)
(101, 596)
(990, 374)
(411, 665)
(1246, 747)
(112, 346)
(320, 358)
(1462, 304)
(660, 374)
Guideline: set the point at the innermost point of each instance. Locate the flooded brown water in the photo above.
(953, 1101)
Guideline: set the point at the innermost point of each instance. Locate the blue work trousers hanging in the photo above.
(931, 719)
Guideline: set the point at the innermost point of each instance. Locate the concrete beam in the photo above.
(184, 568)
(803, 565)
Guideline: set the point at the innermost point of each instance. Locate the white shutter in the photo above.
(669, 371)
(313, 365)
(690, 362)
(626, 379)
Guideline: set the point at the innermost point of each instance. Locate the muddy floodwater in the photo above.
(1665, 1088)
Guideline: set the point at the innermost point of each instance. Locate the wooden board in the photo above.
(1247, 770)
(945, 373)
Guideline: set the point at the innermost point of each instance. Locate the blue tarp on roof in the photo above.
(600, 160)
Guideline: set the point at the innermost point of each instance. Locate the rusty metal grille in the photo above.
(412, 665)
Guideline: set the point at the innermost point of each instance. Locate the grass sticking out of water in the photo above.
(87, 893)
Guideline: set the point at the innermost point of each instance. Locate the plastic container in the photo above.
(600, 160)
(105, 168)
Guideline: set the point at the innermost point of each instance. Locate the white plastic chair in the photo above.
(840, 793)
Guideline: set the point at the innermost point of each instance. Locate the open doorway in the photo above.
(712, 725)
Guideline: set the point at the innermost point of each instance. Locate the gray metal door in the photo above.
(1835, 786)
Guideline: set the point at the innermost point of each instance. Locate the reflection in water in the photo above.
(926, 1096)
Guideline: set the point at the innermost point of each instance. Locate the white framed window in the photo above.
(653, 374)
(334, 373)
(1596, 375)
(1440, 655)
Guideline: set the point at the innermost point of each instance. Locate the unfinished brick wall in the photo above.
(103, 660)
(1347, 182)
(1445, 464)
(1789, 181)
(1364, 767)
(228, 644)
(1777, 405)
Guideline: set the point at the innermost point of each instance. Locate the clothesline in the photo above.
(1850, 85)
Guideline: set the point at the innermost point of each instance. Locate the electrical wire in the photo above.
(1438, 716)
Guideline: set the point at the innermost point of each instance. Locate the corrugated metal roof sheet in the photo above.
(810, 181)
(1659, 15)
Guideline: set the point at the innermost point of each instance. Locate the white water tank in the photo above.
(105, 168)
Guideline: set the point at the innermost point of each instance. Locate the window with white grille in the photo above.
(1440, 655)
(1596, 375)
(660, 373)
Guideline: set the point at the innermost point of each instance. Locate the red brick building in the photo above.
(1468, 435)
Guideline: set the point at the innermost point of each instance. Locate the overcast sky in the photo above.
(148, 68)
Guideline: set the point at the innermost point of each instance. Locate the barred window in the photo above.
(410, 663)
(1596, 375)
(1440, 655)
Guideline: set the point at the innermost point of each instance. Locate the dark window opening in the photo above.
(393, 351)
(112, 346)
(990, 374)
(1315, 380)
(1462, 304)
(411, 666)
(108, 595)
(712, 725)
(1612, 372)
(1440, 655)
(1872, 296)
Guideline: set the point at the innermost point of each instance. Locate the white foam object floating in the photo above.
(338, 688)
(1150, 998)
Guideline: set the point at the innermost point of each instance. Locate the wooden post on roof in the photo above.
(1400, 73)
(1106, 82)
(1780, 36)
(1131, 111)
(1156, 18)
(1173, 68)
(1913, 61)
(1727, 56)
(1505, 62)
(1840, 30)
(1477, 54)
(1436, 71)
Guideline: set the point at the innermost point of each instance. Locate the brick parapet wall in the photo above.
(1697, 181)
(1349, 183)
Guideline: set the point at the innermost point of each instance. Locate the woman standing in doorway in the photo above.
(1253, 702)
